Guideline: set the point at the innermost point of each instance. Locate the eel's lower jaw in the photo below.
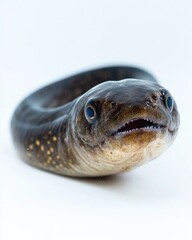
(138, 124)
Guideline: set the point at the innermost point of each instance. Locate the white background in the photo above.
(42, 41)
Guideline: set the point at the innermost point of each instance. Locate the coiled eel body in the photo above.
(96, 123)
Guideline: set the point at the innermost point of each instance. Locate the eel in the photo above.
(96, 123)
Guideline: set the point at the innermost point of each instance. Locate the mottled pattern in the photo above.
(51, 132)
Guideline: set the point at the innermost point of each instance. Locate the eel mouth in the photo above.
(136, 125)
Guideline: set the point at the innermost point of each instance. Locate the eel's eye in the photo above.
(90, 113)
(168, 101)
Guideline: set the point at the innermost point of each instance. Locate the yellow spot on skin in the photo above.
(37, 142)
(29, 154)
(42, 148)
(31, 146)
(61, 165)
(54, 138)
(51, 149)
(48, 142)
(58, 157)
(54, 162)
(48, 161)
(50, 158)
(70, 163)
(48, 152)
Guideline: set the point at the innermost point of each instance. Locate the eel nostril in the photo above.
(154, 97)
(113, 104)
(148, 102)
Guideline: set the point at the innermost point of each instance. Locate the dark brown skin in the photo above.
(92, 124)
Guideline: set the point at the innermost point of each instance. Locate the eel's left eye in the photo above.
(169, 102)
(90, 113)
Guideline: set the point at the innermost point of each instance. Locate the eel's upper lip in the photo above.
(138, 124)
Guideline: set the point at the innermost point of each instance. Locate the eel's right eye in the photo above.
(168, 100)
(90, 113)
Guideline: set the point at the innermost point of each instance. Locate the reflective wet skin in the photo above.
(96, 123)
